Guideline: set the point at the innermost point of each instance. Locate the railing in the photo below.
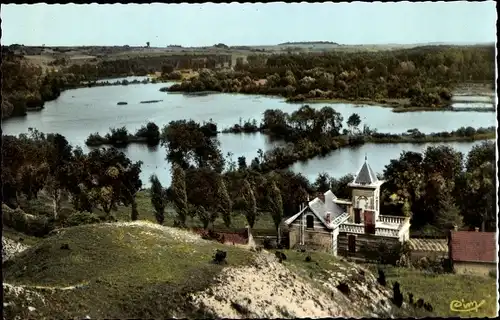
(352, 228)
(340, 219)
(386, 232)
(391, 219)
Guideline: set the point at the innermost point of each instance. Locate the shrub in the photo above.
(19, 221)
(220, 256)
(397, 296)
(492, 274)
(381, 278)
(268, 243)
(80, 218)
(280, 255)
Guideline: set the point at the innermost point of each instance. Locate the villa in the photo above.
(343, 226)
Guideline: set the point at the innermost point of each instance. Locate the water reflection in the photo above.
(77, 113)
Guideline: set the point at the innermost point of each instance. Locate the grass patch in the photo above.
(130, 271)
(441, 289)
(14, 235)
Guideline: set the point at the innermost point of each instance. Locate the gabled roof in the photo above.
(472, 246)
(366, 175)
(320, 209)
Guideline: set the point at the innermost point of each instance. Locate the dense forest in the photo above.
(438, 188)
(425, 76)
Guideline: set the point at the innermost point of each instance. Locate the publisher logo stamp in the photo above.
(465, 306)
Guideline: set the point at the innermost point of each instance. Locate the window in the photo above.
(309, 222)
(357, 215)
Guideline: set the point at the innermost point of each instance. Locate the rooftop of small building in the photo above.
(366, 176)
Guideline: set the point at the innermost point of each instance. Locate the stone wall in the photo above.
(318, 240)
(361, 240)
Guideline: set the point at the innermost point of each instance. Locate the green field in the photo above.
(441, 289)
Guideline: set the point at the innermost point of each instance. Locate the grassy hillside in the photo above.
(143, 270)
(120, 271)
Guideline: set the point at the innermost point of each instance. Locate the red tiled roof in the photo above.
(472, 246)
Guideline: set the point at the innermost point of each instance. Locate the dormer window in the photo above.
(309, 222)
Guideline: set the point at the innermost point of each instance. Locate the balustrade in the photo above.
(391, 219)
(386, 232)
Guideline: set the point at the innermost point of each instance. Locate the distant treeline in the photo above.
(425, 76)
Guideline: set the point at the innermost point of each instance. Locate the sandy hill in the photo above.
(143, 270)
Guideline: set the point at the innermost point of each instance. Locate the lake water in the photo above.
(77, 113)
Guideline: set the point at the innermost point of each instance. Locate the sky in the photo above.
(248, 24)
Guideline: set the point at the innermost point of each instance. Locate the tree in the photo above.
(249, 202)
(224, 203)
(438, 204)
(482, 192)
(179, 195)
(189, 143)
(353, 122)
(204, 216)
(134, 215)
(147, 44)
(322, 183)
(158, 198)
(107, 177)
(55, 191)
(275, 203)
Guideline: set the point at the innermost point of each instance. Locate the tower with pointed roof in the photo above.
(365, 191)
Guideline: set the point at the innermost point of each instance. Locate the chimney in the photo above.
(321, 196)
(476, 229)
(328, 217)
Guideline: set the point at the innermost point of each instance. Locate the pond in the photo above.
(80, 112)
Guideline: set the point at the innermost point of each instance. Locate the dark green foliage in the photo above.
(423, 75)
(151, 132)
(135, 213)
(80, 218)
(397, 296)
(189, 142)
(158, 198)
(381, 278)
(220, 257)
(383, 253)
(118, 136)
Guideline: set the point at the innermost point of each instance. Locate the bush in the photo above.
(397, 296)
(19, 221)
(80, 218)
(220, 256)
(381, 278)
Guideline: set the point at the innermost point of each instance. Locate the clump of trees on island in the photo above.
(313, 132)
(150, 134)
(420, 77)
(434, 188)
